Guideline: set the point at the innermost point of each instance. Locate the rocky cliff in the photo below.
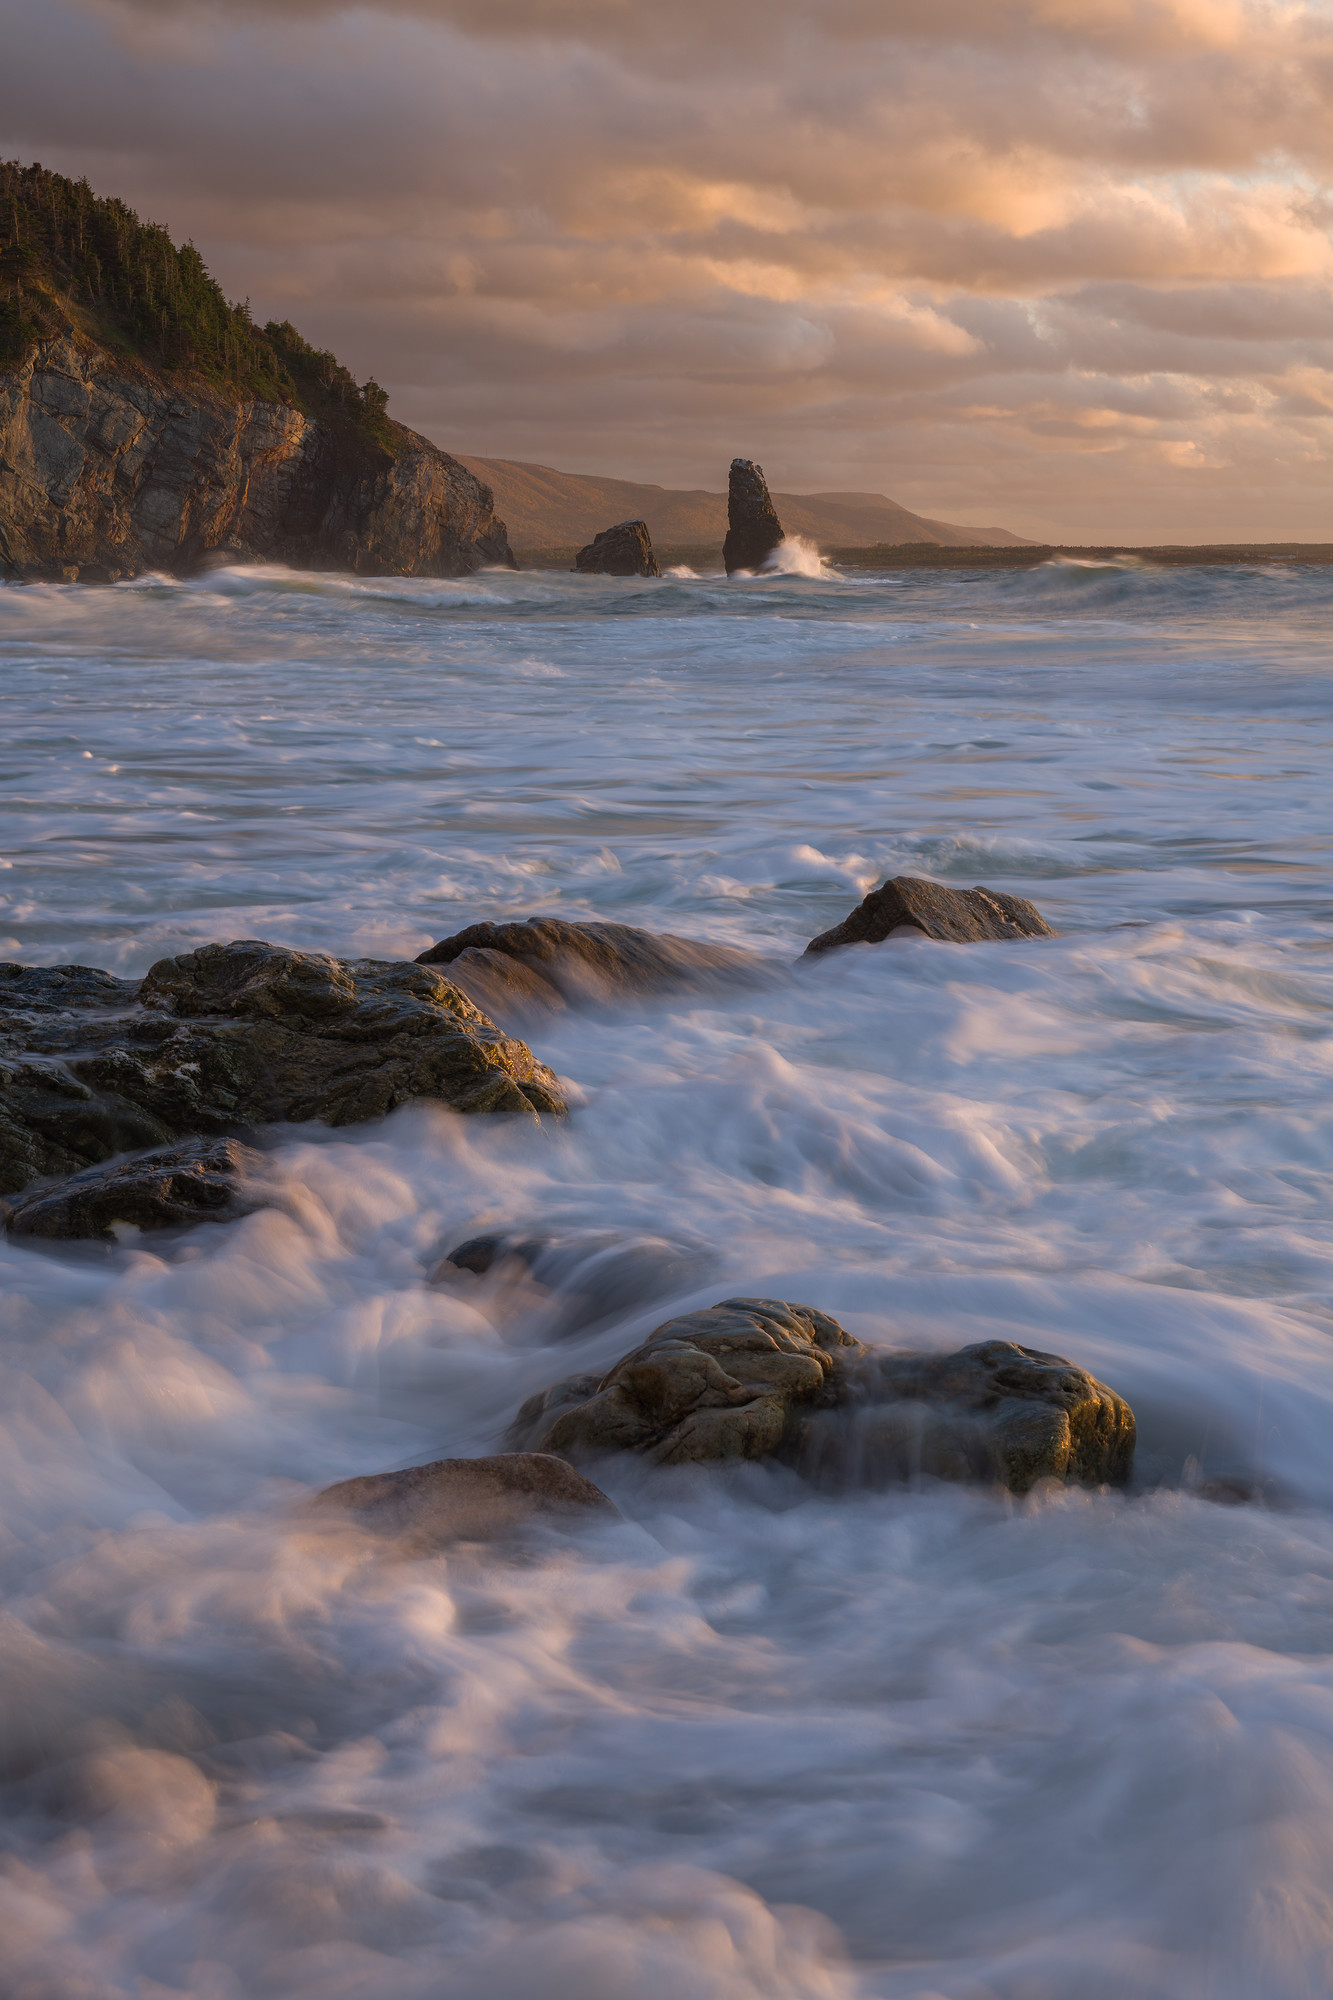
(146, 422)
(109, 467)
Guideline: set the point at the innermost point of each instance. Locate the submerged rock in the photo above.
(625, 550)
(234, 1036)
(563, 1286)
(592, 962)
(751, 1378)
(468, 1498)
(196, 1181)
(955, 916)
(753, 527)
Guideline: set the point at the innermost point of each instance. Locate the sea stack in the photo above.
(753, 528)
(625, 550)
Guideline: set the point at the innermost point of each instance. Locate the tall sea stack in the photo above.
(753, 528)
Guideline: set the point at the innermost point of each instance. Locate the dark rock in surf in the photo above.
(469, 1498)
(753, 527)
(753, 1378)
(234, 1036)
(565, 1285)
(199, 1180)
(625, 550)
(955, 916)
(595, 962)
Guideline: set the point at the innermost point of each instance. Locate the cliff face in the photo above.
(109, 467)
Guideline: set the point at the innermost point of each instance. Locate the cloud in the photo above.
(1060, 263)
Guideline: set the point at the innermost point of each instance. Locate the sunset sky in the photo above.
(1062, 265)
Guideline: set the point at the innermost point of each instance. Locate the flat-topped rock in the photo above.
(199, 1180)
(954, 916)
(468, 1498)
(589, 962)
(753, 527)
(754, 1378)
(236, 1036)
(625, 550)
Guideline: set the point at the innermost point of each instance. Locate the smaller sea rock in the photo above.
(200, 1180)
(625, 550)
(955, 916)
(465, 1499)
(598, 962)
(753, 527)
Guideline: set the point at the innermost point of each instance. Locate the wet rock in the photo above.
(716, 1384)
(505, 987)
(592, 962)
(568, 1285)
(995, 1412)
(625, 550)
(753, 527)
(468, 1498)
(198, 1180)
(753, 1378)
(240, 1035)
(956, 916)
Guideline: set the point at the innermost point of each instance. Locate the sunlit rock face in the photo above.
(751, 1378)
(108, 468)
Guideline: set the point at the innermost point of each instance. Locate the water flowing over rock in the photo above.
(200, 1180)
(955, 916)
(561, 1286)
(109, 468)
(586, 963)
(625, 550)
(753, 527)
(469, 1498)
(234, 1036)
(752, 1378)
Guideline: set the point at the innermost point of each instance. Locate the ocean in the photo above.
(752, 1742)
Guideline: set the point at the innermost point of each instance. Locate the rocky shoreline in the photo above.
(131, 1104)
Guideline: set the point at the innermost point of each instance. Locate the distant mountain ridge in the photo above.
(546, 509)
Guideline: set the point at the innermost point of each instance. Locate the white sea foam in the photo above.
(749, 1742)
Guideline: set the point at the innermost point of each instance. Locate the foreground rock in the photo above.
(468, 1498)
(200, 1180)
(625, 550)
(753, 527)
(955, 916)
(558, 962)
(235, 1036)
(753, 1378)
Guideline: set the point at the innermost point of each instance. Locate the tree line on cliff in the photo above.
(69, 257)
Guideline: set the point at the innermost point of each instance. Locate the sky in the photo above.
(1059, 265)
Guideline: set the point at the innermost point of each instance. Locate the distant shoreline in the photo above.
(933, 555)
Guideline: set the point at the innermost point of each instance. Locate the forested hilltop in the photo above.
(73, 261)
